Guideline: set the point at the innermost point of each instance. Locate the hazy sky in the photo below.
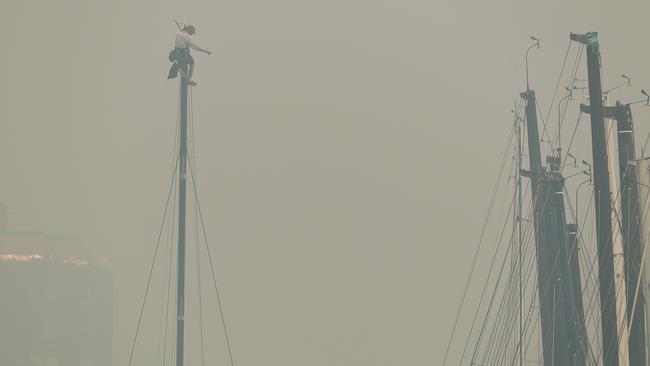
(346, 151)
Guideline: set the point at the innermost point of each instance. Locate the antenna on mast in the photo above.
(646, 100)
(627, 82)
(535, 45)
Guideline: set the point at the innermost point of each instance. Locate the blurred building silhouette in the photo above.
(56, 307)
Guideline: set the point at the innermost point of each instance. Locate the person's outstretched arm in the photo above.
(194, 46)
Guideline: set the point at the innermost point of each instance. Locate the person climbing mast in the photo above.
(180, 55)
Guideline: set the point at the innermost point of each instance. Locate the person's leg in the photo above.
(187, 76)
(184, 73)
(190, 61)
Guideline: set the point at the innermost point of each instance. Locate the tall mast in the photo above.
(642, 168)
(630, 224)
(544, 265)
(182, 187)
(535, 174)
(561, 311)
(630, 207)
(576, 286)
(572, 352)
(611, 272)
(518, 223)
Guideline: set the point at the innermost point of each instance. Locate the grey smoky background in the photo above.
(345, 153)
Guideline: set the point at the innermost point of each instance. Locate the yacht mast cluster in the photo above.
(619, 239)
(563, 303)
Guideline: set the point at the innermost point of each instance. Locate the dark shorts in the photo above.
(181, 56)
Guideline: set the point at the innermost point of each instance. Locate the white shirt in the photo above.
(183, 40)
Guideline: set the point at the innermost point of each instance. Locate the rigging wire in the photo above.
(198, 215)
(164, 314)
(645, 145)
(619, 291)
(508, 301)
(155, 256)
(162, 332)
(207, 247)
(612, 285)
(572, 139)
(528, 277)
(592, 311)
(528, 320)
(473, 264)
(554, 266)
(214, 278)
(504, 328)
(557, 84)
(645, 212)
(483, 292)
(196, 232)
(500, 312)
(544, 126)
(510, 281)
(595, 308)
(479, 245)
(591, 271)
(624, 318)
(531, 278)
(169, 277)
(198, 271)
(529, 244)
(577, 61)
(614, 236)
(580, 244)
(503, 336)
(171, 283)
(575, 67)
(171, 280)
